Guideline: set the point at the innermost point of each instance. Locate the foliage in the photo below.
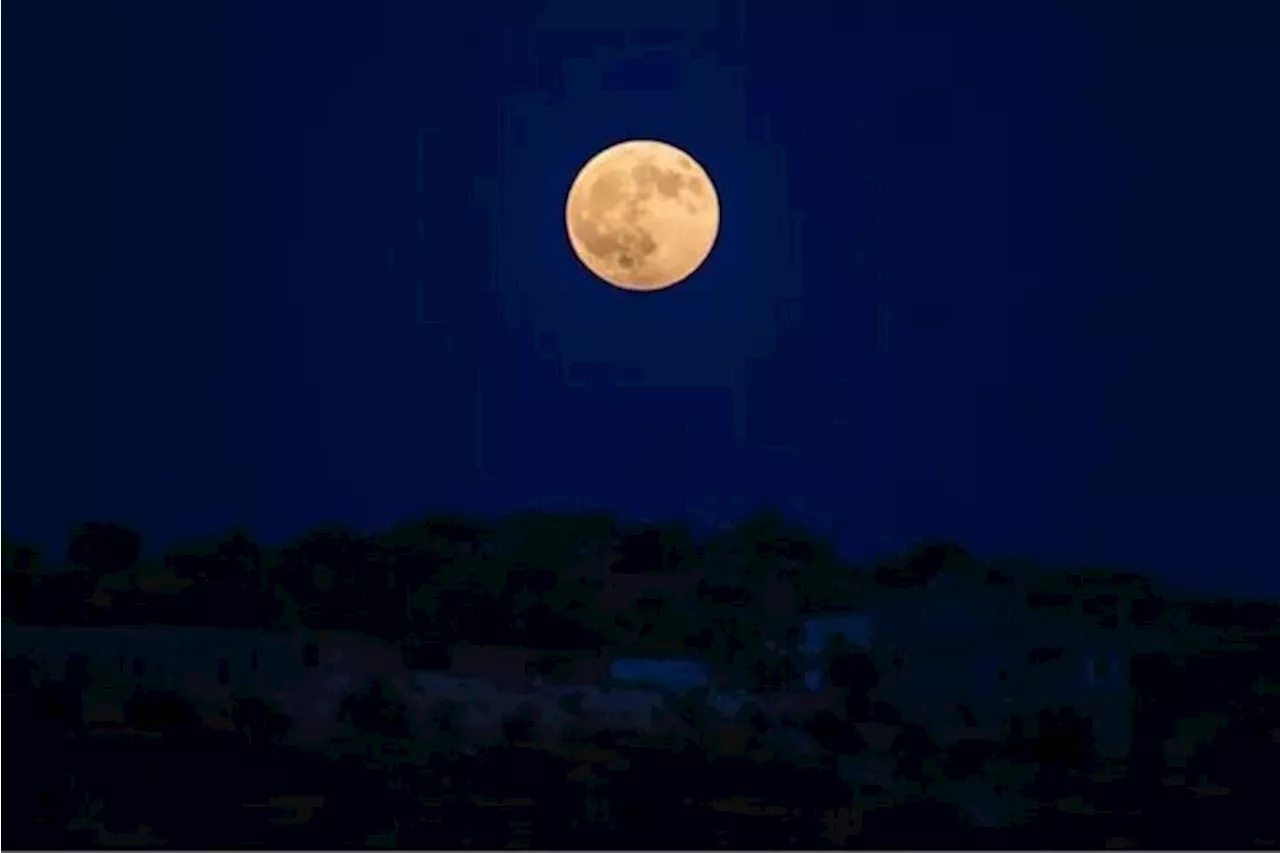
(926, 561)
(550, 581)
(103, 548)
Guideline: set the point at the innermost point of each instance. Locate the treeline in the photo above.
(563, 581)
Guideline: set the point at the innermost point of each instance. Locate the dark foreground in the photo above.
(432, 690)
(215, 791)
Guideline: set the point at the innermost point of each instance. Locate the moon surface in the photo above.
(642, 215)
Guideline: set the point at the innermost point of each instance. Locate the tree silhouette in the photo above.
(162, 711)
(853, 673)
(259, 722)
(416, 551)
(376, 711)
(103, 548)
(20, 561)
(517, 728)
(329, 573)
(656, 547)
(18, 557)
(925, 561)
(753, 580)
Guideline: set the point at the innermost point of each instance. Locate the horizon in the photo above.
(328, 277)
(1026, 566)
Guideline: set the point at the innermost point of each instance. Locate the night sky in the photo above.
(999, 271)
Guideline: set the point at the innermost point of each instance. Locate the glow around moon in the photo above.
(642, 215)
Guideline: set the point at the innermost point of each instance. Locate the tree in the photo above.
(518, 728)
(760, 573)
(766, 549)
(769, 534)
(417, 550)
(103, 548)
(239, 559)
(376, 710)
(228, 578)
(19, 562)
(188, 560)
(422, 558)
(927, 560)
(852, 672)
(330, 572)
(560, 544)
(656, 547)
(163, 711)
(259, 722)
(18, 557)
(553, 565)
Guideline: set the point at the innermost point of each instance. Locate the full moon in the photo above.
(642, 215)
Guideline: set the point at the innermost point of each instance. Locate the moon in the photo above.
(642, 215)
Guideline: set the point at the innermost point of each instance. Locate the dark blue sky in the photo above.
(1002, 271)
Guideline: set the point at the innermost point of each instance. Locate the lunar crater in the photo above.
(642, 215)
